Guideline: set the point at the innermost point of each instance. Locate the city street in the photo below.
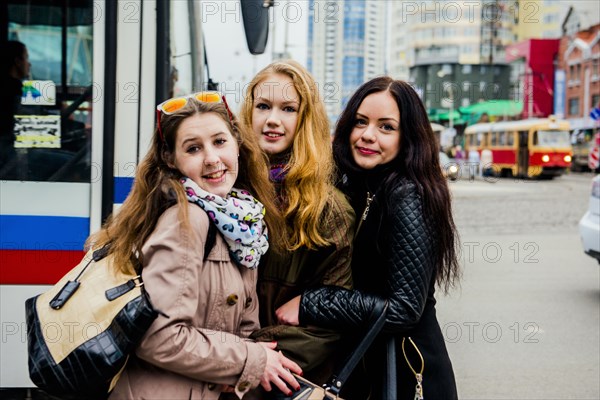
(524, 323)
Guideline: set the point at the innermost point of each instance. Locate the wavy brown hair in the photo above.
(156, 187)
(417, 160)
(308, 185)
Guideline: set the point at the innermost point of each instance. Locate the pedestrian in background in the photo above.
(286, 113)
(406, 243)
(202, 169)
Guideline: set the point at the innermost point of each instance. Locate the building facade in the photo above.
(346, 47)
(580, 61)
(532, 75)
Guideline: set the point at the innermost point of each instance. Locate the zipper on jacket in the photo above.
(365, 212)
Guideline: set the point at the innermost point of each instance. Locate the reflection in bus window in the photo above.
(552, 139)
(52, 131)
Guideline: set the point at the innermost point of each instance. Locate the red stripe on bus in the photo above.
(36, 267)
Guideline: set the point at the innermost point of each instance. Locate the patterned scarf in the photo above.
(239, 218)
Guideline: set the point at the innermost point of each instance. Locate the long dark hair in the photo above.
(417, 161)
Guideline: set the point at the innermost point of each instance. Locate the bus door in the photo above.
(523, 154)
(46, 168)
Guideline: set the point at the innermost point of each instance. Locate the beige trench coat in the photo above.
(211, 305)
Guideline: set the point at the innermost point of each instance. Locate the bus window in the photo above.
(50, 138)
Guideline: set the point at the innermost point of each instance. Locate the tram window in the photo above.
(510, 138)
(501, 138)
(493, 139)
(51, 134)
(472, 139)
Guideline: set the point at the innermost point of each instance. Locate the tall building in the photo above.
(445, 31)
(542, 19)
(454, 50)
(346, 47)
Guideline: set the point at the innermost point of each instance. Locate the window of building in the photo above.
(466, 69)
(574, 106)
(596, 100)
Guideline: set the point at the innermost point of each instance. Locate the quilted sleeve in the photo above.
(410, 266)
(411, 260)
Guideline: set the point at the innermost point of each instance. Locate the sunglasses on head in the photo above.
(175, 104)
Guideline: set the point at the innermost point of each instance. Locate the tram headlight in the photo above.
(545, 158)
(453, 169)
(567, 158)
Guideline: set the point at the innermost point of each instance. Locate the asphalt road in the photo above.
(525, 321)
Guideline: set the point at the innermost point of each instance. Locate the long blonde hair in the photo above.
(308, 185)
(156, 188)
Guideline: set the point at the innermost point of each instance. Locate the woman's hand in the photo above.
(279, 370)
(289, 313)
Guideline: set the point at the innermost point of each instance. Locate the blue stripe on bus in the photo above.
(122, 188)
(24, 232)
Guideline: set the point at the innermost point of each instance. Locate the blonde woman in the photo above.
(202, 170)
(283, 108)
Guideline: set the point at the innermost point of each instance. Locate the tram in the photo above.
(86, 118)
(527, 148)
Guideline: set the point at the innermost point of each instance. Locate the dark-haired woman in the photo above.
(406, 241)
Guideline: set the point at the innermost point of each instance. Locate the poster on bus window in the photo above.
(38, 93)
(37, 131)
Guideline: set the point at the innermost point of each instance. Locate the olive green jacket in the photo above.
(283, 277)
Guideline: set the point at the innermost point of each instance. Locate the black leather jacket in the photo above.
(393, 260)
(398, 266)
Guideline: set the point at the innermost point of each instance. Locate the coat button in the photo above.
(248, 302)
(211, 386)
(232, 299)
(242, 387)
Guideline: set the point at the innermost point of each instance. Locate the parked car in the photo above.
(449, 167)
(589, 225)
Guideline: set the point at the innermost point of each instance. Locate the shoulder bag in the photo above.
(331, 390)
(81, 332)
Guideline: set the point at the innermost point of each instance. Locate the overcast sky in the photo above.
(230, 62)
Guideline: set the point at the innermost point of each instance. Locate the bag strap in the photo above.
(338, 380)
(211, 239)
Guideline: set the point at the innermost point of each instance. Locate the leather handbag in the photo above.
(331, 390)
(80, 333)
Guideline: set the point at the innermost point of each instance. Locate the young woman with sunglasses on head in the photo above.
(202, 170)
(283, 108)
(406, 243)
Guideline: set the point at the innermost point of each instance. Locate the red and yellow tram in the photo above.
(526, 148)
